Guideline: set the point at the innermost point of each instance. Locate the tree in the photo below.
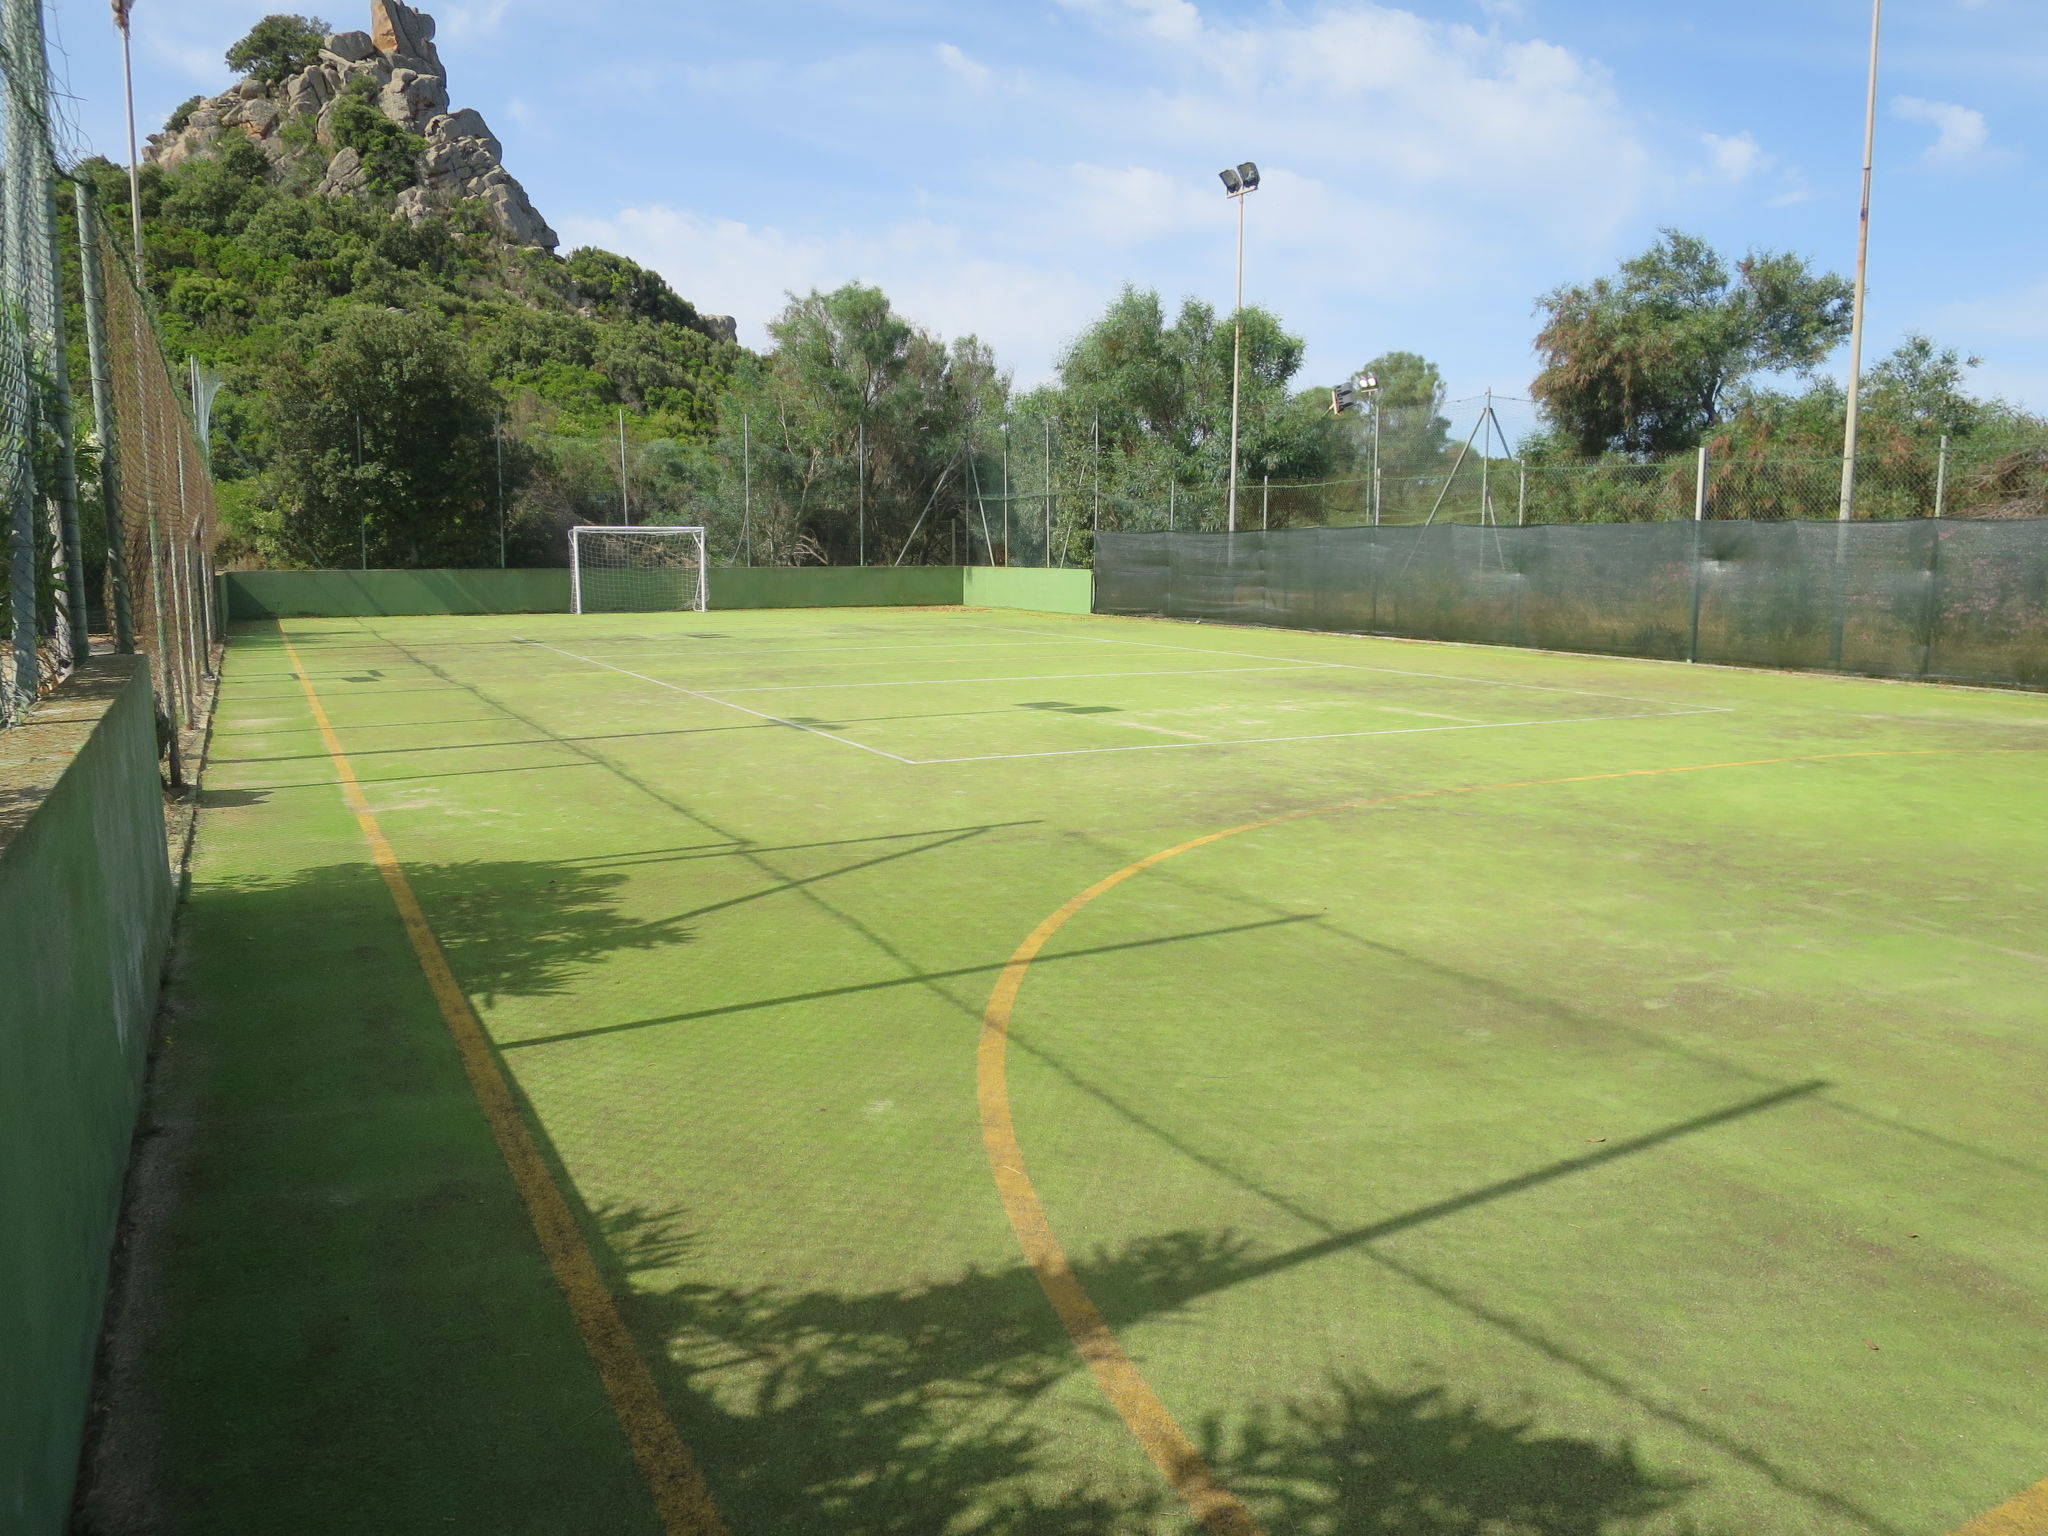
(1413, 431)
(278, 46)
(1642, 362)
(384, 449)
(855, 407)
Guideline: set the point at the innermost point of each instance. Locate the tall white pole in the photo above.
(134, 160)
(625, 502)
(1236, 354)
(1375, 458)
(1848, 508)
(860, 475)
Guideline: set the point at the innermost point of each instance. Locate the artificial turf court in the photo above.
(980, 1071)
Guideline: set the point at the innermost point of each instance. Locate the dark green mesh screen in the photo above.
(1955, 599)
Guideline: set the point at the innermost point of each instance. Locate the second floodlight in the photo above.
(1232, 182)
(1249, 175)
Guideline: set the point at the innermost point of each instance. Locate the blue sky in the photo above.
(1429, 169)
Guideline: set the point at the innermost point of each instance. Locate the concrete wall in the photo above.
(1047, 591)
(371, 594)
(85, 912)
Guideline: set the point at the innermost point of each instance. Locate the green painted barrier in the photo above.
(85, 911)
(373, 594)
(376, 594)
(834, 586)
(1047, 591)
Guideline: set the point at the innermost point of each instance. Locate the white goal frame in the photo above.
(695, 534)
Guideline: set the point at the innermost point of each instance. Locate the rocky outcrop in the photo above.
(460, 159)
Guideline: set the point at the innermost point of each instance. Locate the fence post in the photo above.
(1265, 502)
(1941, 477)
(93, 281)
(1521, 494)
(1699, 523)
(746, 490)
(1927, 635)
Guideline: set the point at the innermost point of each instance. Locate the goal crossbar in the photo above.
(636, 568)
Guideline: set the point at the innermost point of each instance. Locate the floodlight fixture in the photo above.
(1249, 175)
(1368, 382)
(1232, 182)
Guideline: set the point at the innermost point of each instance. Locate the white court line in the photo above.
(1354, 666)
(844, 741)
(1042, 677)
(1260, 741)
(740, 652)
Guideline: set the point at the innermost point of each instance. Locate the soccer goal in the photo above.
(614, 569)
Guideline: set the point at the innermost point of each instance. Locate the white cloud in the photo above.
(1176, 20)
(971, 71)
(1960, 132)
(1735, 157)
(1407, 161)
(926, 268)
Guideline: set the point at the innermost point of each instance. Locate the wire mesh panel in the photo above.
(1966, 601)
(169, 527)
(636, 570)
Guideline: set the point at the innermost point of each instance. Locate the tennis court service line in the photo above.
(1145, 1415)
(708, 698)
(680, 1495)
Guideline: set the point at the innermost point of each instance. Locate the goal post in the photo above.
(615, 568)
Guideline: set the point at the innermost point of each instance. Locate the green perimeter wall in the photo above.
(1048, 591)
(369, 594)
(85, 912)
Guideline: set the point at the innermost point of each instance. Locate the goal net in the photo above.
(615, 569)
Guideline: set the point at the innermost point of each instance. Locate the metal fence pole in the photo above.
(1265, 502)
(1045, 555)
(93, 281)
(860, 475)
(1941, 478)
(1699, 523)
(746, 489)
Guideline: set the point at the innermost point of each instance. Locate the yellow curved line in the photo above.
(2024, 1514)
(680, 1495)
(1145, 1416)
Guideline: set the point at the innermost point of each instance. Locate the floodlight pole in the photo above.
(1236, 352)
(625, 500)
(1375, 456)
(134, 172)
(1849, 423)
(860, 475)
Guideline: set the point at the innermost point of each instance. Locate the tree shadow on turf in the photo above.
(932, 1409)
(508, 926)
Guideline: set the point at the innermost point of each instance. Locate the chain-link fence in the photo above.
(120, 488)
(43, 614)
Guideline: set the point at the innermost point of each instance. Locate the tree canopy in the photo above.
(1643, 362)
(277, 46)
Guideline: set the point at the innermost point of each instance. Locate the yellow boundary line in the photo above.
(680, 1495)
(2024, 1514)
(1149, 1420)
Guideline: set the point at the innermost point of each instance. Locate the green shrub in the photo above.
(389, 154)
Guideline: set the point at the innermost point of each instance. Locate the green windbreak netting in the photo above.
(1963, 600)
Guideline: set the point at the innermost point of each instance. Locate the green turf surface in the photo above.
(1647, 1154)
